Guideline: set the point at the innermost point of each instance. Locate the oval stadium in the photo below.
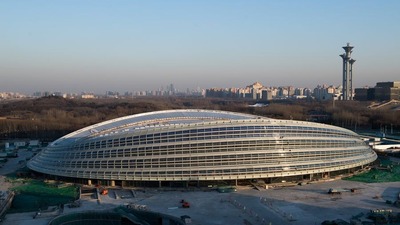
(202, 147)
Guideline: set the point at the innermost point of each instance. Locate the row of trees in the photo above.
(52, 117)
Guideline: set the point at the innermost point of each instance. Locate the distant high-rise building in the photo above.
(266, 94)
(347, 72)
(171, 88)
(383, 91)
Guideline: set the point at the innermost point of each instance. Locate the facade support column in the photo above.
(351, 61)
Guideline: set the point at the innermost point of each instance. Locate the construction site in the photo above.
(375, 200)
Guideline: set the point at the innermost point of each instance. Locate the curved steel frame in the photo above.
(183, 145)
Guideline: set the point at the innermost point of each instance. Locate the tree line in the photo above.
(49, 118)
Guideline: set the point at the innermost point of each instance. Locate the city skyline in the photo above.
(95, 46)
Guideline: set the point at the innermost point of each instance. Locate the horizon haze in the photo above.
(95, 46)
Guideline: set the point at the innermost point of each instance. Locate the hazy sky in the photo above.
(94, 46)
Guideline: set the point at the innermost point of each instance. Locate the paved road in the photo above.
(12, 165)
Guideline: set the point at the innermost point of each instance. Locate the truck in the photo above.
(333, 191)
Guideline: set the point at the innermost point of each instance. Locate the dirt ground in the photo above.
(307, 204)
(296, 205)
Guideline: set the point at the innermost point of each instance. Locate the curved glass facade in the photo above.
(183, 145)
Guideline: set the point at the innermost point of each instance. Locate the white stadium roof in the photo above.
(157, 118)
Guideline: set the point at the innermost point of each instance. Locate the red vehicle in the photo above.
(104, 192)
(185, 205)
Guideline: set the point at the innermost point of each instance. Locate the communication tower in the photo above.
(348, 62)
